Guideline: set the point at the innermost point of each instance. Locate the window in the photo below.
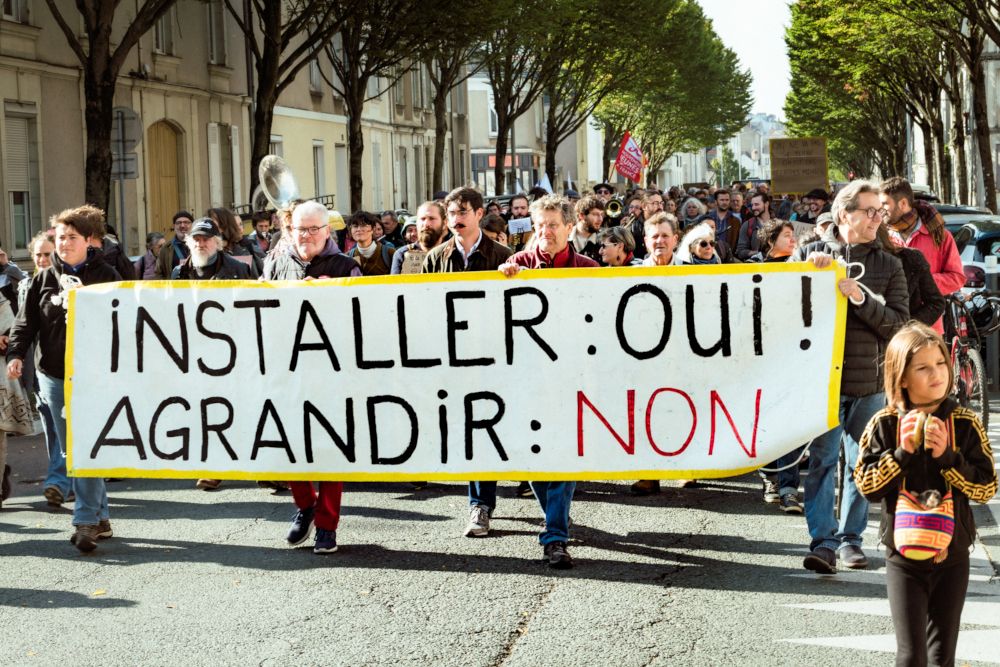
(223, 158)
(315, 77)
(277, 145)
(374, 86)
(319, 170)
(494, 120)
(163, 34)
(418, 87)
(376, 174)
(14, 10)
(216, 32)
(23, 188)
(399, 89)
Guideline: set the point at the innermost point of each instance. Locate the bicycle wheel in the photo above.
(971, 376)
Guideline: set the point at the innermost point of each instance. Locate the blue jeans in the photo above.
(824, 451)
(91, 492)
(56, 475)
(788, 480)
(484, 494)
(555, 499)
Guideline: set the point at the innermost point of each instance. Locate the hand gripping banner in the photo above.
(679, 372)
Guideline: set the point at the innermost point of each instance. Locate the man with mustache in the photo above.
(469, 250)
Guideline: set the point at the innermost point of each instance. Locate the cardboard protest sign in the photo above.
(798, 165)
(556, 374)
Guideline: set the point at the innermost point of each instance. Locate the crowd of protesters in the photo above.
(899, 258)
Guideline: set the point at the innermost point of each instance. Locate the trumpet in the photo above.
(614, 209)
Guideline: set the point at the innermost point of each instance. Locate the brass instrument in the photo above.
(614, 209)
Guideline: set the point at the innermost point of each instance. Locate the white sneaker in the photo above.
(479, 522)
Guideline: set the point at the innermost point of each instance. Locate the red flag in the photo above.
(630, 159)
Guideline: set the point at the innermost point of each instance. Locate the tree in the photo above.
(688, 101)
(725, 167)
(102, 61)
(377, 37)
(283, 36)
(524, 55)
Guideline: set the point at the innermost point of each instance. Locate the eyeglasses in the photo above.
(459, 212)
(307, 231)
(705, 244)
(873, 212)
(609, 245)
(182, 221)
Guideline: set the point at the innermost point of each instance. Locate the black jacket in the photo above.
(872, 324)
(115, 257)
(446, 258)
(330, 263)
(42, 319)
(225, 267)
(926, 302)
(967, 467)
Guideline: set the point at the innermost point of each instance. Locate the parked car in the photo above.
(977, 236)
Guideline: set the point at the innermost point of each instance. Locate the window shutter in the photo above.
(18, 168)
(214, 166)
(234, 140)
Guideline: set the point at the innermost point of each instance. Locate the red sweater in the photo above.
(536, 259)
(946, 265)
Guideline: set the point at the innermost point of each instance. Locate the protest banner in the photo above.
(676, 372)
(630, 161)
(798, 165)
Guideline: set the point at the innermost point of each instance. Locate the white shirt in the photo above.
(461, 248)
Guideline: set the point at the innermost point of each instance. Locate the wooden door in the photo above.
(163, 177)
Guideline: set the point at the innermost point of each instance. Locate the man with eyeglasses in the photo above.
(176, 251)
(878, 305)
(553, 219)
(374, 257)
(469, 249)
(604, 191)
(312, 254)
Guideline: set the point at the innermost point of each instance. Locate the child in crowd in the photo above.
(925, 445)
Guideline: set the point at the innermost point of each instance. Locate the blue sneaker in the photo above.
(301, 528)
(326, 541)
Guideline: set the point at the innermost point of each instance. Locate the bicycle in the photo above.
(967, 319)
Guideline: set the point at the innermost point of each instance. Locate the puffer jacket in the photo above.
(42, 319)
(330, 263)
(871, 324)
(966, 469)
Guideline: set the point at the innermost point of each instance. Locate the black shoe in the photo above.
(556, 556)
(790, 504)
(5, 486)
(645, 487)
(853, 556)
(524, 490)
(302, 527)
(821, 560)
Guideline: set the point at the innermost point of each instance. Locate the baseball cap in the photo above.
(204, 227)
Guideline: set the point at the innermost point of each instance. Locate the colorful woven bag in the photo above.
(921, 533)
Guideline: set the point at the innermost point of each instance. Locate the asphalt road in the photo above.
(704, 576)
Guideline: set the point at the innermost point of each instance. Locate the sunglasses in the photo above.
(604, 192)
(706, 244)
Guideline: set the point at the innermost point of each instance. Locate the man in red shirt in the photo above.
(552, 219)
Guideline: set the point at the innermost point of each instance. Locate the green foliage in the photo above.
(694, 95)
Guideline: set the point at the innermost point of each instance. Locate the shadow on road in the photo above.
(48, 599)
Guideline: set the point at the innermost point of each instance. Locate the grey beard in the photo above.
(200, 261)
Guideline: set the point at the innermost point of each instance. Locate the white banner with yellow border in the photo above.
(679, 372)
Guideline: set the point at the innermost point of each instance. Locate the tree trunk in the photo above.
(609, 146)
(943, 156)
(925, 130)
(99, 117)
(355, 142)
(961, 159)
(499, 172)
(983, 134)
(551, 140)
(440, 138)
(263, 115)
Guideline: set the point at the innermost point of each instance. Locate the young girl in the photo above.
(950, 453)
